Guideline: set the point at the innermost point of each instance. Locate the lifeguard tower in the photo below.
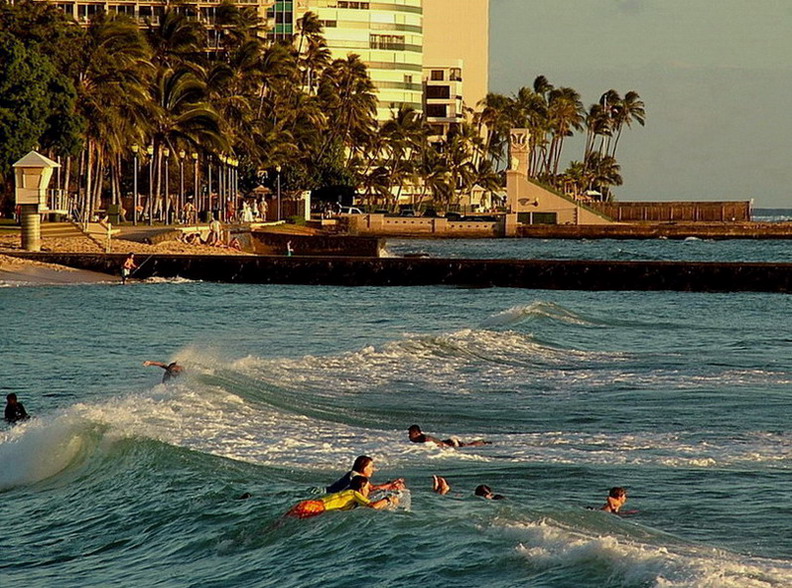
(32, 175)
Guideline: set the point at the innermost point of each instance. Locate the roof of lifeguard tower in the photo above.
(34, 159)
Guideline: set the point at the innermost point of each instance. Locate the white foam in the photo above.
(518, 314)
(41, 448)
(626, 561)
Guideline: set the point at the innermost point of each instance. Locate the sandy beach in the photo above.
(14, 270)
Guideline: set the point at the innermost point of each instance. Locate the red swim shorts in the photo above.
(306, 509)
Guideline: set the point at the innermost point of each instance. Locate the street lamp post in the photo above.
(182, 154)
(135, 150)
(196, 192)
(221, 180)
(278, 169)
(149, 204)
(166, 202)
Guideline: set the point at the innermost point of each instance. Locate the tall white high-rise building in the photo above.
(388, 36)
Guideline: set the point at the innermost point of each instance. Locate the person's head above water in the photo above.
(11, 398)
(617, 492)
(414, 431)
(616, 499)
(364, 465)
(486, 492)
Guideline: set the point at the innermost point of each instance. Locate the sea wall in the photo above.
(417, 226)
(469, 273)
(680, 230)
(272, 243)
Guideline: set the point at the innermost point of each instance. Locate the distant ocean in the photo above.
(772, 215)
(682, 398)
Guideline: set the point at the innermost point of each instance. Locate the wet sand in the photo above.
(15, 271)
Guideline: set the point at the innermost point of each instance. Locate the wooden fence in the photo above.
(730, 211)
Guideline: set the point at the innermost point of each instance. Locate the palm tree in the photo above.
(176, 39)
(346, 90)
(112, 74)
(630, 109)
(604, 172)
(564, 113)
(181, 118)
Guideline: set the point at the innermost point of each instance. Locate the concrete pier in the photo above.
(469, 273)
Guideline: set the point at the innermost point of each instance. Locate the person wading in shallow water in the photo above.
(128, 267)
(416, 436)
(172, 369)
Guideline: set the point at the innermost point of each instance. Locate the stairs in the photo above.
(96, 232)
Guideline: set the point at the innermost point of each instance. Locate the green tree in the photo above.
(26, 103)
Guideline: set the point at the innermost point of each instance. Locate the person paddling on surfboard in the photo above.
(363, 466)
(356, 495)
(416, 436)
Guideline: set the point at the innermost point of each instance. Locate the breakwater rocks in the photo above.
(467, 273)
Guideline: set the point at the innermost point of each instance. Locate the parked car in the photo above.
(350, 210)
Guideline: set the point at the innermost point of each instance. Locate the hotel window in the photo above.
(437, 75)
(87, 11)
(456, 74)
(408, 79)
(437, 110)
(353, 4)
(388, 42)
(329, 24)
(438, 92)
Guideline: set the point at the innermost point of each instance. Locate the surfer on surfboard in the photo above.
(416, 436)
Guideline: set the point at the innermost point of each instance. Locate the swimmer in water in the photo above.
(416, 436)
(486, 492)
(354, 496)
(172, 369)
(14, 411)
(616, 499)
(441, 486)
(363, 466)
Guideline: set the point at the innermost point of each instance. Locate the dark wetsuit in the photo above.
(15, 413)
(342, 483)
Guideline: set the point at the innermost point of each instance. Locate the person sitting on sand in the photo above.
(172, 369)
(354, 496)
(363, 466)
(128, 267)
(14, 411)
(616, 499)
(416, 436)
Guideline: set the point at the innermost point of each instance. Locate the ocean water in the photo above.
(119, 480)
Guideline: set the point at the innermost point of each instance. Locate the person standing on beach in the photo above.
(14, 411)
(128, 267)
(214, 232)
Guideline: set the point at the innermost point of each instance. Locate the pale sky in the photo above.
(716, 77)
